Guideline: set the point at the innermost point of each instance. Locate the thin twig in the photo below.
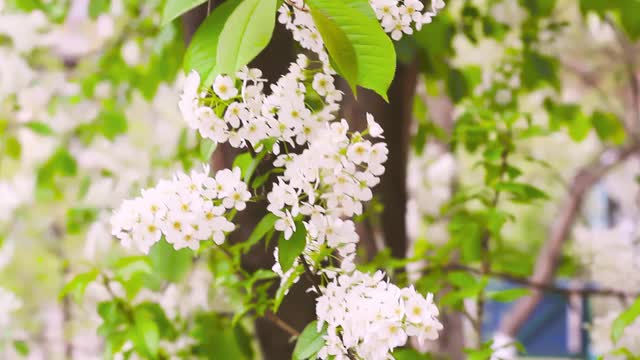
(590, 80)
(281, 324)
(486, 248)
(269, 315)
(583, 291)
(293, 5)
(549, 256)
(309, 274)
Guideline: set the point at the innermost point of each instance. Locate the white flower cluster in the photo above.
(324, 182)
(186, 210)
(9, 303)
(501, 83)
(429, 178)
(327, 182)
(397, 17)
(369, 317)
(600, 333)
(329, 179)
(238, 111)
(609, 255)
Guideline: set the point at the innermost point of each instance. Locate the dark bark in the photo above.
(395, 118)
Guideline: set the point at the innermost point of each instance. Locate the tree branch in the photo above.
(544, 287)
(547, 261)
(281, 323)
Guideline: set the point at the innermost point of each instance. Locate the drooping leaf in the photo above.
(342, 52)
(245, 34)
(285, 286)
(174, 8)
(309, 342)
(78, 284)
(263, 227)
(521, 192)
(289, 250)
(625, 319)
(39, 128)
(201, 54)
(374, 51)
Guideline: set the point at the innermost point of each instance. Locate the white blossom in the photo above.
(368, 316)
(185, 210)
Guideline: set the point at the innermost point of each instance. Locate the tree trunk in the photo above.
(395, 118)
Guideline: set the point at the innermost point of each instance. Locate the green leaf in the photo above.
(374, 52)
(408, 354)
(248, 164)
(264, 226)
(245, 34)
(539, 8)
(13, 148)
(625, 319)
(39, 128)
(309, 342)
(521, 191)
(127, 267)
(608, 127)
(207, 147)
(342, 52)
(112, 316)
(79, 218)
(174, 8)
(111, 123)
(457, 87)
(466, 232)
(21, 347)
(289, 250)
(508, 295)
(630, 18)
(157, 314)
(579, 127)
(97, 7)
(201, 54)
(145, 335)
(168, 263)
(78, 284)
(598, 6)
(538, 68)
(243, 161)
(284, 287)
(216, 339)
